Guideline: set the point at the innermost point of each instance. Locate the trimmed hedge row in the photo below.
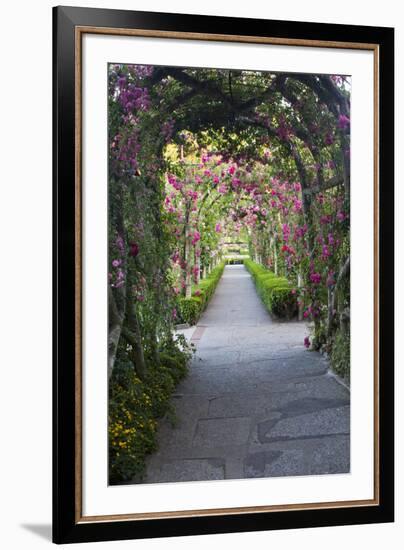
(190, 309)
(277, 293)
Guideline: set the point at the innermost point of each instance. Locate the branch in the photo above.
(344, 272)
(323, 95)
(205, 196)
(209, 88)
(157, 76)
(333, 182)
(115, 322)
(252, 122)
(255, 101)
(231, 88)
(218, 197)
(206, 86)
(114, 315)
(181, 99)
(334, 91)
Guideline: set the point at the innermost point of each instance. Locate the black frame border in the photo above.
(65, 528)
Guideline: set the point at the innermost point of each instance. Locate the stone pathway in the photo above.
(256, 403)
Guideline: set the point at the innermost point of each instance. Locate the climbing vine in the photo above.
(200, 159)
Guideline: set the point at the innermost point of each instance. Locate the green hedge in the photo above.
(277, 293)
(340, 354)
(190, 309)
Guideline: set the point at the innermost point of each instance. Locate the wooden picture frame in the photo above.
(70, 25)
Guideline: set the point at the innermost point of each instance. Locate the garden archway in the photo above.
(199, 156)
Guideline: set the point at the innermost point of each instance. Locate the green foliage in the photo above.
(319, 337)
(226, 137)
(340, 354)
(190, 309)
(256, 269)
(281, 301)
(276, 293)
(134, 406)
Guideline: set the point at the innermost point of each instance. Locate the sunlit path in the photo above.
(255, 402)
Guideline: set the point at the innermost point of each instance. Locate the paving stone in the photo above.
(255, 403)
(311, 456)
(255, 464)
(188, 470)
(331, 456)
(211, 432)
(329, 421)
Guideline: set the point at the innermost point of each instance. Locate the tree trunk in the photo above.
(344, 272)
(345, 145)
(197, 264)
(153, 341)
(345, 321)
(115, 322)
(330, 303)
(188, 264)
(275, 257)
(300, 307)
(131, 331)
(116, 297)
(137, 354)
(132, 334)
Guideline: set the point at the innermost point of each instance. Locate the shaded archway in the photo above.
(191, 149)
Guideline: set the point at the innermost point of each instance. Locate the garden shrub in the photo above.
(256, 269)
(190, 309)
(134, 407)
(319, 337)
(282, 302)
(176, 363)
(276, 292)
(340, 354)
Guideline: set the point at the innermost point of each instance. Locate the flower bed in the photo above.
(134, 407)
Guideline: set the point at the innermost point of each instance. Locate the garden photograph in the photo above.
(228, 274)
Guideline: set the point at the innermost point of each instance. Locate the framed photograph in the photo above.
(223, 275)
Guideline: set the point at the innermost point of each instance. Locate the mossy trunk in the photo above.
(197, 264)
(131, 331)
(188, 265)
(116, 314)
(300, 306)
(132, 334)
